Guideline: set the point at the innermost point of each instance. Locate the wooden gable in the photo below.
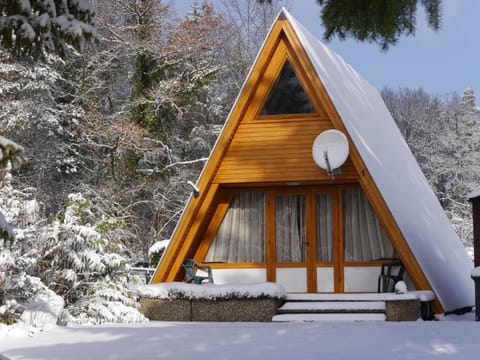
(255, 149)
(277, 148)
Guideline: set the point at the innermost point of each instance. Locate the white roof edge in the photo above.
(397, 175)
(282, 15)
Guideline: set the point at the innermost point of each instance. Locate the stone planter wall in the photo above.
(254, 310)
(261, 310)
(402, 310)
(165, 310)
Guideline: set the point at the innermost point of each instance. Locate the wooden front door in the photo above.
(326, 239)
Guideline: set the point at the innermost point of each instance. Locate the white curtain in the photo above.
(241, 236)
(290, 231)
(324, 227)
(364, 237)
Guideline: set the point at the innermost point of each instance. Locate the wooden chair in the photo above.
(191, 267)
(390, 274)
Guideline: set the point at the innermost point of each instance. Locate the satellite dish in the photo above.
(330, 150)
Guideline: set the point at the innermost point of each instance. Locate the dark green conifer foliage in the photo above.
(377, 21)
(35, 27)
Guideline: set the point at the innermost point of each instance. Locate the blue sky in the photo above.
(439, 62)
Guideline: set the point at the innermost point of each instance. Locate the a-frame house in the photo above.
(267, 212)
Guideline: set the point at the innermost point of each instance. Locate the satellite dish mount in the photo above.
(330, 151)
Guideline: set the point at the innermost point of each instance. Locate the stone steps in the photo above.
(346, 317)
(326, 307)
(345, 307)
(331, 311)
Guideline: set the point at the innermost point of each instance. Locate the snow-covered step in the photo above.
(352, 297)
(332, 307)
(336, 317)
(352, 306)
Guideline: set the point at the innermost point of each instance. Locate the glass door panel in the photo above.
(290, 228)
(365, 243)
(324, 227)
(364, 236)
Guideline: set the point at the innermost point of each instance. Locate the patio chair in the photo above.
(390, 274)
(191, 267)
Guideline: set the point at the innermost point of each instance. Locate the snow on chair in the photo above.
(191, 267)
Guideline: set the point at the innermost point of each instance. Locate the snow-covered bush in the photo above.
(31, 302)
(87, 269)
(24, 297)
(73, 253)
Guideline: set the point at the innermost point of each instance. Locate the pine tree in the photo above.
(464, 160)
(33, 28)
(444, 136)
(74, 253)
(379, 21)
(39, 108)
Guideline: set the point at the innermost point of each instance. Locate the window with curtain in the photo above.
(364, 237)
(290, 232)
(241, 236)
(324, 227)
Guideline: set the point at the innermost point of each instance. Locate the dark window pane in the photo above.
(287, 95)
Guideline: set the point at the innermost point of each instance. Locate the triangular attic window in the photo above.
(287, 95)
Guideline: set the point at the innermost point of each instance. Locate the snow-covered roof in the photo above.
(157, 246)
(474, 194)
(476, 272)
(396, 173)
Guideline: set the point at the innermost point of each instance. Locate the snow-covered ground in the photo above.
(173, 340)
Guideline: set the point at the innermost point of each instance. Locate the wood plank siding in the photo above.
(276, 151)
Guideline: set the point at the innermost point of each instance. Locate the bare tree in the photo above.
(250, 22)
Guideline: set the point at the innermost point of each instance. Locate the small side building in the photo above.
(267, 212)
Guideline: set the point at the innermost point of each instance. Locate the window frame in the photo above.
(270, 251)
